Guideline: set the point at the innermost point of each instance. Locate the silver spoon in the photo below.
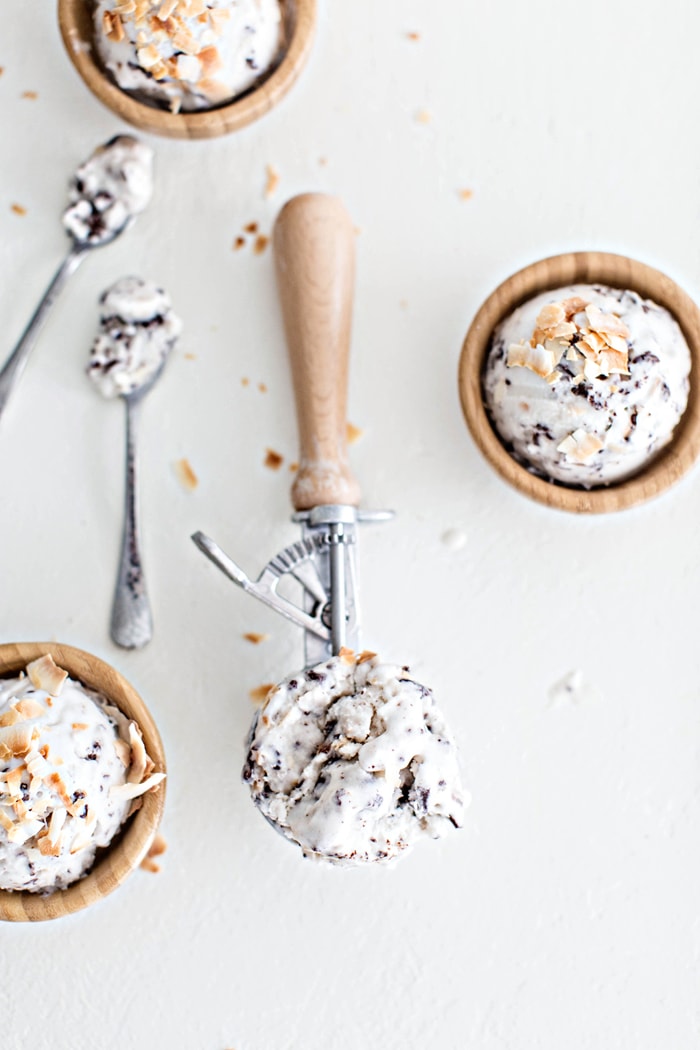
(14, 366)
(131, 625)
(115, 180)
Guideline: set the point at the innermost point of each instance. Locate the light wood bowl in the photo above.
(617, 271)
(75, 21)
(117, 861)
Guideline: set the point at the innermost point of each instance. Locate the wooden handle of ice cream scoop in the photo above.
(314, 242)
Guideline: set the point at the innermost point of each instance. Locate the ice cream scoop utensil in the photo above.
(14, 366)
(297, 560)
(315, 255)
(314, 242)
(132, 624)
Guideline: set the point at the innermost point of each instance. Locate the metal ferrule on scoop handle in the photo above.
(315, 260)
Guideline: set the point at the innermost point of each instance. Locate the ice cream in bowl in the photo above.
(82, 775)
(578, 381)
(188, 68)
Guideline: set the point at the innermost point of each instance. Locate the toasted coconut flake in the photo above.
(365, 656)
(58, 819)
(84, 833)
(54, 781)
(112, 26)
(606, 324)
(591, 344)
(614, 362)
(13, 779)
(573, 305)
(183, 40)
(273, 460)
(9, 718)
(617, 343)
(272, 180)
(123, 751)
(353, 433)
(5, 821)
(45, 674)
(37, 765)
(130, 790)
(166, 9)
(580, 446)
(48, 848)
(538, 359)
(18, 209)
(218, 16)
(149, 56)
(15, 741)
(186, 475)
(261, 243)
(20, 833)
(254, 638)
(562, 331)
(28, 708)
(139, 758)
(42, 674)
(550, 315)
(261, 692)
(158, 847)
(347, 656)
(214, 89)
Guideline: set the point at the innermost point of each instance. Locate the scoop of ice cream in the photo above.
(70, 766)
(138, 329)
(190, 54)
(109, 189)
(585, 384)
(353, 761)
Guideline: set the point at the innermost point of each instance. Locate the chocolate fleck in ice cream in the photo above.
(138, 329)
(585, 384)
(188, 54)
(109, 189)
(352, 760)
(71, 766)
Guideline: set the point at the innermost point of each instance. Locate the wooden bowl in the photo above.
(117, 861)
(75, 21)
(617, 271)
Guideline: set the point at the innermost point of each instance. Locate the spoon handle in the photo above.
(14, 366)
(132, 624)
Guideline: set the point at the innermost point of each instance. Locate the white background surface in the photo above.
(565, 914)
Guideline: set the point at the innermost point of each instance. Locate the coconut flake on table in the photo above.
(113, 185)
(585, 384)
(138, 330)
(352, 760)
(70, 766)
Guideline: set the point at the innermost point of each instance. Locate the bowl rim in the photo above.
(209, 123)
(556, 271)
(137, 835)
